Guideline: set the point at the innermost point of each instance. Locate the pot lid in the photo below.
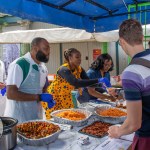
(8, 123)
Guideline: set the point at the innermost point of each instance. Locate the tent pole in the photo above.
(145, 27)
(129, 16)
(117, 59)
(61, 53)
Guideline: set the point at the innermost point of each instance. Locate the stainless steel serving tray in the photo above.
(70, 122)
(41, 141)
(108, 101)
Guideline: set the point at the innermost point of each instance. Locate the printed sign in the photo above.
(96, 53)
(51, 77)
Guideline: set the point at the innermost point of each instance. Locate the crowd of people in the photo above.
(28, 89)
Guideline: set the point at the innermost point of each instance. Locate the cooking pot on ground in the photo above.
(8, 138)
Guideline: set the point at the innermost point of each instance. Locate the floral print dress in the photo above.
(61, 91)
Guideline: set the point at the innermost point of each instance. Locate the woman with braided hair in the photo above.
(69, 76)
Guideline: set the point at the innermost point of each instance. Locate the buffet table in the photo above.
(68, 140)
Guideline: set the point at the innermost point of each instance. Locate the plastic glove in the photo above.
(3, 91)
(105, 82)
(48, 98)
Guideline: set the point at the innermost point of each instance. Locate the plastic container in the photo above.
(75, 94)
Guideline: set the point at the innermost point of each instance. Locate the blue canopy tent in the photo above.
(91, 15)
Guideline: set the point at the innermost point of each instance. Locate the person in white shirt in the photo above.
(2, 88)
(2, 75)
(27, 77)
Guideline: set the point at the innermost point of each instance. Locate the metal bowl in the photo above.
(41, 141)
(108, 119)
(70, 122)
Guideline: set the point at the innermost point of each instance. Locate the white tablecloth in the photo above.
(67, 140)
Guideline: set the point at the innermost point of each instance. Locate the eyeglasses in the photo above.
(107, 65)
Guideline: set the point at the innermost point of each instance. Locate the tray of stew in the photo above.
(97, 129)
(37, 132)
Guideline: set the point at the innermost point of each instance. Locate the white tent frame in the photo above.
(60, 35)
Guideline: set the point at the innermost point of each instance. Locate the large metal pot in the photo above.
(8, 139)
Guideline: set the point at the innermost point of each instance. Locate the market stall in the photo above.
(79, 15)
